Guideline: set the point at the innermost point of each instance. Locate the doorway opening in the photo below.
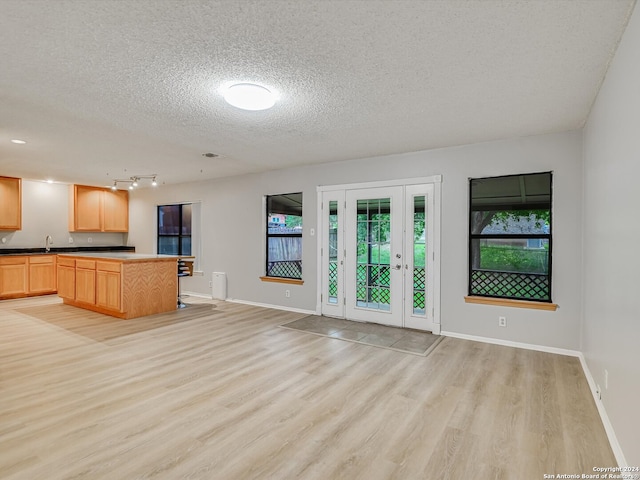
(379, 252)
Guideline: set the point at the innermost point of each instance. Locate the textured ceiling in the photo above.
(108, 89)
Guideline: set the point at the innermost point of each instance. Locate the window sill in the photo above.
(290, 281)
(505, 302)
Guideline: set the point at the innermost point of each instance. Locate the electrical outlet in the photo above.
(287, 293)
(89, 240)
(502, 321)
(606, 379)
(70, 239)
(210, 283)
(598, 392)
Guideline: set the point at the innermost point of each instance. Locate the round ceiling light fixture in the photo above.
(249, 96)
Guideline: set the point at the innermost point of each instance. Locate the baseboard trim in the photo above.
(608, 427)
(509, 343)
(275, 307)
(195, 294)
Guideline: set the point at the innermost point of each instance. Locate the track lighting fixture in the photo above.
(134, 181)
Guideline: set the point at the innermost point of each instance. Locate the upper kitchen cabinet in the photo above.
(116, 211)
(10, 203)
(94, 209)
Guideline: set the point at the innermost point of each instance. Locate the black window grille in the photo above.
(284, 236)
(510, 238)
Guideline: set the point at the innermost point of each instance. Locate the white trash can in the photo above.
(219, 286)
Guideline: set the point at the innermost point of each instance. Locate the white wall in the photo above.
(45, 211)
(611, 334)
(233, 242)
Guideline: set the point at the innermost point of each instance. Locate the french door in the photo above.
(374, 255)
(378, 257)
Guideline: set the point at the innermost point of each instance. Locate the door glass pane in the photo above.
(419, 249)
(333, 252)
(373, 247)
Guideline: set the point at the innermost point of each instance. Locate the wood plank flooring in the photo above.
(218, 391)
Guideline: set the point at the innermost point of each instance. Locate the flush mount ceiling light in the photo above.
(19, 142)
(249, 96)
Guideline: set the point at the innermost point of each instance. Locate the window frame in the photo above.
(180, 235)
(510, 236)
(267, 276)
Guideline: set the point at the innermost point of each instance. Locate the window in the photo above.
(174, 229)
(510, 237)
(284, 236)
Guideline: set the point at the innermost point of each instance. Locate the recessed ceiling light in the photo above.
(19, 142)
(50, 180)
(249, 96)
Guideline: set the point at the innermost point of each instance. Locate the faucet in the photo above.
(47, 243)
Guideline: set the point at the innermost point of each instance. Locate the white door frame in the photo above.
(433, 273)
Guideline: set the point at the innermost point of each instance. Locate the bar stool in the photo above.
(183, 271)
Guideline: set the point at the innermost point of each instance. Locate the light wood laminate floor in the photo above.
(218, 391)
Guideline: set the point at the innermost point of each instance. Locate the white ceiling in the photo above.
(108, 89)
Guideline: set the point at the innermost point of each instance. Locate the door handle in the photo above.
(397, 267)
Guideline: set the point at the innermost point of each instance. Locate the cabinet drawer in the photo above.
(108, 266)
(41, 259)
(66, 262)
(86, 264)
(13, 260)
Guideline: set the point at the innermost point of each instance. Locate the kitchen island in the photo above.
(120, 284)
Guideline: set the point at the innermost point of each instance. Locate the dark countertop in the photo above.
(55, 251)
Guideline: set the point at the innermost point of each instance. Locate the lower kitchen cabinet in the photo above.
(23, 276)
(91, 282)
(42, 274)
(86, 281)
(108, 285)
(126, 285)
(67, 281)
(14, 277)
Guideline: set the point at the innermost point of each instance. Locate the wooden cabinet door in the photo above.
(10, 203)
(116, 211)
(42, 274)
(67, 282)
(13, 276)
(86, 209)
(108, 292)
(85, 285)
